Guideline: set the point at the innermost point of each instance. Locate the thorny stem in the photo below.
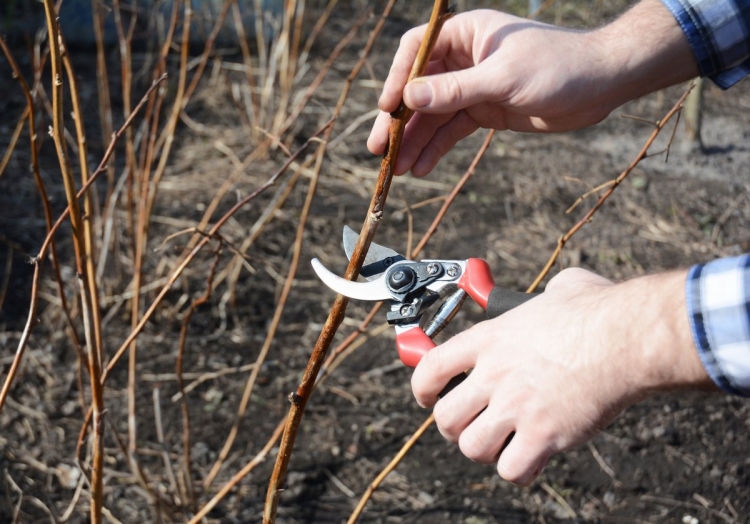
(190, 498)
(615, 183)
(88, 207)
(561, 242)
(350, 342)
(81, 253)
(390, 467)
(270, 335)
(375, 213)
(145, 207)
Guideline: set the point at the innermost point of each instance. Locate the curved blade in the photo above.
(374, 291)
(378, 258)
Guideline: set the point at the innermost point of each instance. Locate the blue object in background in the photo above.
(76, 18)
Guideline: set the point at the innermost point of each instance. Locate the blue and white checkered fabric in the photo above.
(718, 32)
(718, 302)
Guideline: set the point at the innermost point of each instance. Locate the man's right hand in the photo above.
(494, 70)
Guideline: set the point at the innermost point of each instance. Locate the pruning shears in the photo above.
(412, 287)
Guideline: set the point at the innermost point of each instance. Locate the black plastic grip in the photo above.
(503, 300)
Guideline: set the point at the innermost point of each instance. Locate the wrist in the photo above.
(641, 52)
(655, 332)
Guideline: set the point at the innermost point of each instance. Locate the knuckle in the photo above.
(511, 472)
(434, 362)
(409, 38)
(453, 89)
(474, 446)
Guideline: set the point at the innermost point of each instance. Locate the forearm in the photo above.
(650, 316)
(643, 51)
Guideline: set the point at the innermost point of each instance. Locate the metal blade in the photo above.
(378, 258)
(374, 291)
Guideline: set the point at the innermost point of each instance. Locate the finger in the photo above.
(441, 364)
(453, 90)
(400, 69)
(523, 460)
(483, 439)
(418, 134)
(456, 129)
(378, 138)
(455, 411)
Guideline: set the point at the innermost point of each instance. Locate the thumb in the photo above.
(452, 91)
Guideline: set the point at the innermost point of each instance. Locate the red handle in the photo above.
(477, 281)
(412, 345)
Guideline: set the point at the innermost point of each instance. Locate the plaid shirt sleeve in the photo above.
(718, 303)
(718, 32)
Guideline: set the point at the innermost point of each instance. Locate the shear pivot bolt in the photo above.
(401, 279)
(432, 268)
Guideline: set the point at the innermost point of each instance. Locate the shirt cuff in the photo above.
(718, 32)
(718, 305)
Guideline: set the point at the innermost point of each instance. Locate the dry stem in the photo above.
(614, 184)
(390, 467)
(81, 253)
(642, 154)
(319, 157)
(350, 343)
(377, 207)
(178, 371)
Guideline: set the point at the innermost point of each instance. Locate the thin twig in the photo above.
(299, 398)
(390, 467)
(296, 254)
(209, 235)
(81, 253)
(615, 183)
(178, 371)
(48, 241)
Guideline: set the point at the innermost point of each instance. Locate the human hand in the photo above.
(494, 70)
(559, 368)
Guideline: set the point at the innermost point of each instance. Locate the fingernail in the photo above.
(420, 94)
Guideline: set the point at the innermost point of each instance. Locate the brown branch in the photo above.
(190, 497)
(88, 206)
(351, 343)
(375, 213)
(14, 137)
(126, 81)
(38, 261)
(181, 267)
(81, 253)
(251, 84)
(46, 206)
(297, 252)
(149, 191)
(210, 41)
(390, 467)
(615, 183)
(561, 242)
(102, 91)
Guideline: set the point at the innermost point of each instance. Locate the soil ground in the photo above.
(668, 459)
